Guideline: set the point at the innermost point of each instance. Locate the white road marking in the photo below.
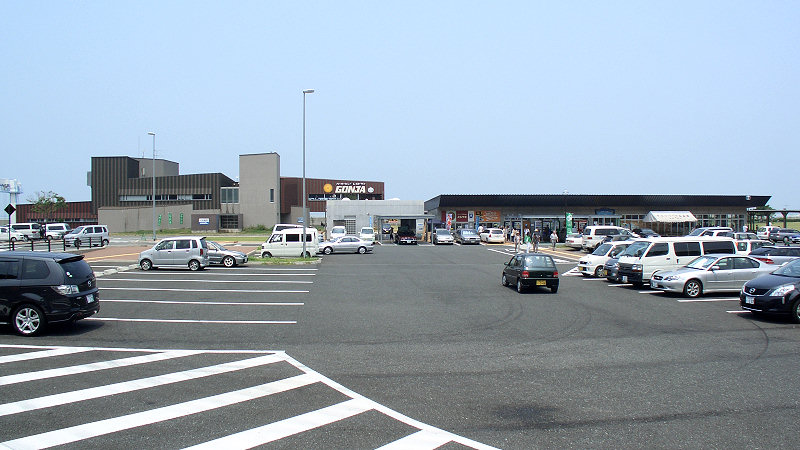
(228, 322)
(423, 439)
(42, 354)
(702, 300)
(178, 280)
(49, 401)
(738, 312)
(178, 302)
(147, 275)
(104, 365)
(261, 291)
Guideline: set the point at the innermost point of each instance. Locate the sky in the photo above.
(444, 97)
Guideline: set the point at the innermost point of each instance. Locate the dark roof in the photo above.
(655, 202)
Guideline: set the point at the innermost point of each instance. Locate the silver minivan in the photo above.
(87, 235)
(178, 251)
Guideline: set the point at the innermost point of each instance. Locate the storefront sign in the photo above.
(462, 216)
(203, 220)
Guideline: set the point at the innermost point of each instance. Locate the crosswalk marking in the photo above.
(101, 427)
(129, 386)
(288, 427)
(427, 437)
(104, 365)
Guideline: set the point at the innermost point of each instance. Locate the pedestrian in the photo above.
(527, 241)
(554, 238)
(515, 236)
(536, 240)
(42, 231)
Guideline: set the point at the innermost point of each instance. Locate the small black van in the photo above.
(38, 288)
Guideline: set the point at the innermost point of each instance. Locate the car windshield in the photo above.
(702, 263)
(442, 231)
(539, 261)
(217, 245)
(468, 232)
(495, 231)
(367, 230)
(790, 269)
(602, 250)
(77, 230)
(636, 249)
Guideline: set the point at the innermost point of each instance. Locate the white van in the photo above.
(594, 235)
(289, 242)
(644, 257)
(29, 229)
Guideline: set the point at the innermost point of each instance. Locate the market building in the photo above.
(669, 215)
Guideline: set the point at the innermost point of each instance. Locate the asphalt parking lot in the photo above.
(406, 346)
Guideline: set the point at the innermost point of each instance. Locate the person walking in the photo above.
(515, 236)
(554, 238)
(536, 240)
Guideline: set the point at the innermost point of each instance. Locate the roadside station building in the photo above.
(669, 215)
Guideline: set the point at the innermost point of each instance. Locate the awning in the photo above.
(669, 217)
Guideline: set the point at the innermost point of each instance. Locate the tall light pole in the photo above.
(305, 211)
(154, 183)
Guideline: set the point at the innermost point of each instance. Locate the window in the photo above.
(272, 195)
(744, 263)
(719, 247)
(229, 221)
(183, 244)
(276, 238)
(34, 269)
(725, 264)
(165, 245)
(8, 270)
(687, 249)
(660, 249)
(229, 195)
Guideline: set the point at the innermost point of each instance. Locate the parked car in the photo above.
(592, 264)
(467, 236)
(794, 239)
(367, 234)
(611, 270)
(217, 254)
(574, 240)
(493, 235)
(11, 235)
(710, 273)
(777, 292)
(772, 254)
(739, 235)
(405, 235)
(782, 234)
(56, 230)
(709, 231)
(283, 226)
(594, 235)
(442, 236)
(29, 229)
(337, 232)
(179, 251)
(645, 232)
(290, 242)
(41, 288)
(91, 235)
(745, 247)
(526, 270)
(345, 244)
(763, 232)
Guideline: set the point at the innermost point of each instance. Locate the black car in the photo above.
(611, 269)
(526, 270)
(777, 292)
(38, 288)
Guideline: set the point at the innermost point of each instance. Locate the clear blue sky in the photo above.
(445, 97)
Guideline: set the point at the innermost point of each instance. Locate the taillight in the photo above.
(525, 274)
(555, 274)
(201, 252)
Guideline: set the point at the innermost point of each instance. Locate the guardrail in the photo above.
(49, 245)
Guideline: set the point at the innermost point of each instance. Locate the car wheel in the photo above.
(598, 271)
(504, 280)
(519, 286)
(327, 250)
(104, 242)
(362, 250)
(693, 288)
(266, 255)
(796, 312)
(307, 255)
(13, 239)
(194, 265)
(48, 238)
(228, 261)
(146, 264)
(28, 320)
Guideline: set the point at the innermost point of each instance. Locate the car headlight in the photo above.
(670, 278)
(636, 267)
(780, 291)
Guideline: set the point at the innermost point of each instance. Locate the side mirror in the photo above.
(716, 268)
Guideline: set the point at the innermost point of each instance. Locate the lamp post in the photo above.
(154, 183)
(305, 211)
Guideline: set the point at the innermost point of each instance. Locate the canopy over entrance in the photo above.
(669, 217)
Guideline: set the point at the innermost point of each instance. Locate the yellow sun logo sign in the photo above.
(328, 188)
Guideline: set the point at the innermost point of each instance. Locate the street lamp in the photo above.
(305, 211)
(154, 183)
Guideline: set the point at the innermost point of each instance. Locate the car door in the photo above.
(9, 285)
(722, 275)
(351, 244)
(183, 251)
(745, 269)
(162, 253)
(513, 268)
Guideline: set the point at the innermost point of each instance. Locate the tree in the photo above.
(47, 203)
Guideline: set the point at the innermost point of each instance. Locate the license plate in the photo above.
(749, 300)
(89, 298)
(624, 278)
(541, 282)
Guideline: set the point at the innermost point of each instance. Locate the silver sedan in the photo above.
(710, 273)
(217, 254)
(345, 244)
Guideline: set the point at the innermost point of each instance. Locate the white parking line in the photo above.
(702, 300)
(179, 280)
(179, 302)
(260, 291)
(146, 275)
(225, 322)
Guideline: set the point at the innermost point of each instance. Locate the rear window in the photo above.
(539, 261)
(79, 270)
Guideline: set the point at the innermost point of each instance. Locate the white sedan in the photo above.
(10, 234)
(345, 244)
(495, 235)
(574, 240)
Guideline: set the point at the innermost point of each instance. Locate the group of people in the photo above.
(530, 241)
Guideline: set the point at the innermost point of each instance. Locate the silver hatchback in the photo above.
(179, 251)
